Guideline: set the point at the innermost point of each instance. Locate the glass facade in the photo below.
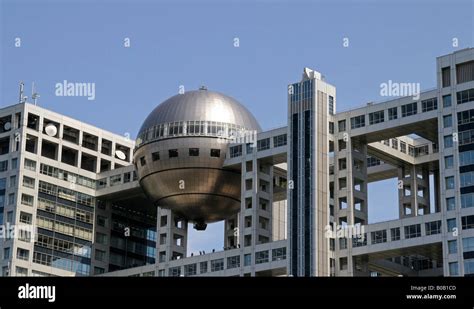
(65, 226)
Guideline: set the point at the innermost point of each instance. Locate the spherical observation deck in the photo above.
(181, 148)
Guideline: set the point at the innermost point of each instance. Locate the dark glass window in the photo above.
(193, 152)
(155, 156)
(173, 153)
(142, 161)
(216, 153)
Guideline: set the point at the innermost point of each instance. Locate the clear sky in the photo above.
(191, 43)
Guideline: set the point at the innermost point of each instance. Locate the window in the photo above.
(155, 156)
(392, 113)
(342, 125)
(468, 266)
(342, 164)
(342, 243)
(14, 163)
(376, 117)
(412, 231)
(28, 182)
(279, 140)
(12, 181)
(115, 180)
(452, 246)
(101, 238)
(193, 152)
(173, 153)
(433, 228)
(27, 199)
(343, 263)
(331, 127)
(217, 265)
(450, 203)
(394, 143)
(465, 72)
(446, 76)
(468, 244)
(30, 165)
(233, 262)
(33, 122)
(261, 257)
(142, 161)
(247, 259)
(25, 217)
(467, 179)
(465, 96)
(379, 237)
(215, 153)
(21, 272)
(358, 122)
(126, 177)
(100, 255)
(466, 158)
(466, 117)
(447, 100)
(395, 233)
(448, 161)
(190, 270)
(174, 271)
(467, 222)
(448, 141)
(409, 109)
(101, 221)
(279, 254)
(448, 121)
(22, 254)
(449, 182)
(451, 224)
(3, 166)
(106, 147)
(331, 105)
(403, 147)
(98, 270)
(203, 267)
(6, 253)
(11, 199)
(466, 137)
(263, 144)
(235, 151)
(429, 105)
(453, 269)
(467, 200)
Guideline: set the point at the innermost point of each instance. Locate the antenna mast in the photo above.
(34, 94)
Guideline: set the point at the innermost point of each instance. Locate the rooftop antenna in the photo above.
(34, 94)
(22, 89)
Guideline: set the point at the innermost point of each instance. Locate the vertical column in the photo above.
(413, 193)
(172, 234)
(231, 232)
(356, 198)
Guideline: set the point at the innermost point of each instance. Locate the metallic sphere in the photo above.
(180, 152)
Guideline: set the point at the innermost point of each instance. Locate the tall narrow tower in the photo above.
(311, 103)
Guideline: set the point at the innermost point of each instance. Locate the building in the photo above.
(303, 201)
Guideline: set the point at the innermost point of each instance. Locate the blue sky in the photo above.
(191, 43)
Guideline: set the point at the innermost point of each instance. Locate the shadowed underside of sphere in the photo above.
(180, 164)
